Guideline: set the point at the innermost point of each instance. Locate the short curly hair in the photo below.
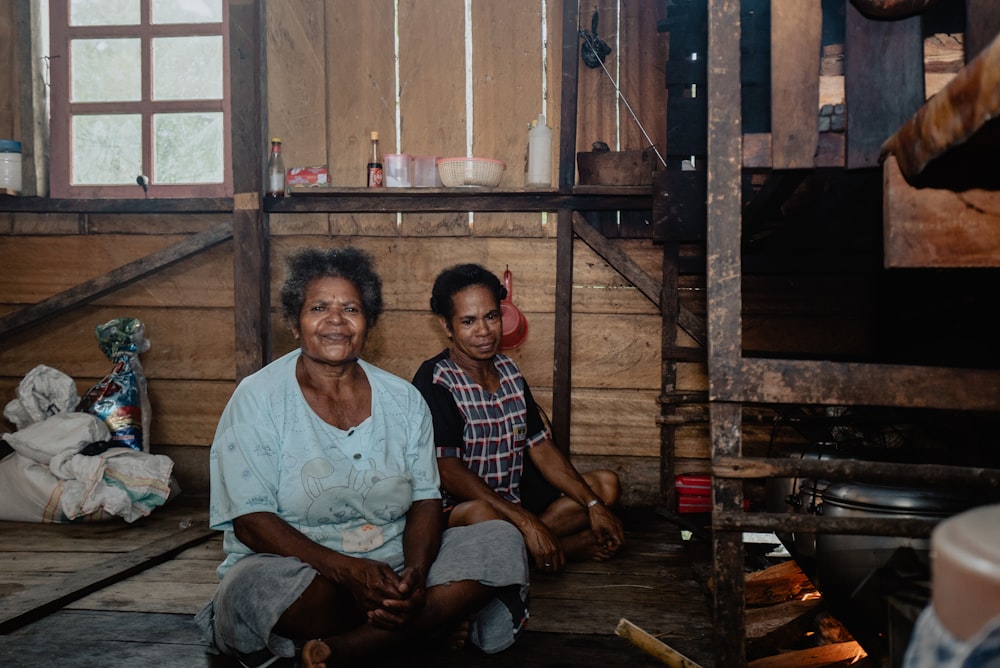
(453, 280)
(353, 264)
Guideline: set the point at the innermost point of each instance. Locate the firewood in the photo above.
(825, 655)
(782, 582)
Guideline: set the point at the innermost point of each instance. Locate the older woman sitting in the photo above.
(323, 478)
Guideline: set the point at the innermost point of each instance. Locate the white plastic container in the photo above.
(398, 170)
(425, 172)
(10, 167)
(539, 155)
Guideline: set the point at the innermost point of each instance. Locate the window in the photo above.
(140, 94)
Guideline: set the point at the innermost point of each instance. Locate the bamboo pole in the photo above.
(647, 643)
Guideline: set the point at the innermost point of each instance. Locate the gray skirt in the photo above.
(256, 591)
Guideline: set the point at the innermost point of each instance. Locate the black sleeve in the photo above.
(449, 424)
(534, 418)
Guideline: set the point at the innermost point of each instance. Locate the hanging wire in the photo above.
(594, 44)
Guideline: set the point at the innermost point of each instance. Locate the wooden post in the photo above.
(252, 284)
(724, 322)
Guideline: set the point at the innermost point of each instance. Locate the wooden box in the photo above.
(616, 168)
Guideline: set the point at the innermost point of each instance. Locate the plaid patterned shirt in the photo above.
(490, 433)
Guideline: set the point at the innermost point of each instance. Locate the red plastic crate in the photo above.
(694, 504)
(693, 485)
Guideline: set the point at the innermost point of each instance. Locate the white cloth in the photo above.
(119, 481)
(933, 646)
(41, 441)
(42, 392)
(347, 490)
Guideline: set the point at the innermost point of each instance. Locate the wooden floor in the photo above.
(115, 595)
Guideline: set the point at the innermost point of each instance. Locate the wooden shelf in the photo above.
(417, 200)
(152, 205)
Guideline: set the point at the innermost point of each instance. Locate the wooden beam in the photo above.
(88, 291)
(618, 259)
(562, 379)
(568, 97)
(22, 608)
(885, 87)
(780, 381)
(636, 275)
(853, 469)
(724, 287)
(252, 281)
(796, 28)
(726, 521)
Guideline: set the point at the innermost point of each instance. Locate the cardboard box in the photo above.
(308, 176)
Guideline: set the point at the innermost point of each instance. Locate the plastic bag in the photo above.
(120, 398)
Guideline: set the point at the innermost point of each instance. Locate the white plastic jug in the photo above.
(539, 154)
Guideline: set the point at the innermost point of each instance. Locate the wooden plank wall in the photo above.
(615, 377)
(9, 117)
(331, 79)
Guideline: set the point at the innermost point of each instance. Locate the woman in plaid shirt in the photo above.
(486, 421)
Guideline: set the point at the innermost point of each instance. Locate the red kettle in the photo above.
(515, 325)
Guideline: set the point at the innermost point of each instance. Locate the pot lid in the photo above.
(917, 499)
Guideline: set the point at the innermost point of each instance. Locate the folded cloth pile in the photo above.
(47, 479)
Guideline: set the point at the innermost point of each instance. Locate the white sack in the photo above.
(28, 491)
(62, 432)
(42, 392)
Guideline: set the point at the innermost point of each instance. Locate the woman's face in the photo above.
(475, 326)
(332, 326)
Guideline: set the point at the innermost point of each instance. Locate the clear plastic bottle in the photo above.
(375, 172)
(539, 154)
(275, 186)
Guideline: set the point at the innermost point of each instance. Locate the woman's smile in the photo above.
(332, 326)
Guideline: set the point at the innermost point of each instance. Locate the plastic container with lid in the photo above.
(965, 566)
(10, 167)
(397, 170)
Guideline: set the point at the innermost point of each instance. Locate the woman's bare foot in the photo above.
(582, 547)
(315, 653)
(459, 636)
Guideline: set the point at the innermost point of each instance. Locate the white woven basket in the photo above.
(470, 172)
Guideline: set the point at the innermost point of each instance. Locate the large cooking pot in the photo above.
(799, 495)
(515, 325)
(844, 561)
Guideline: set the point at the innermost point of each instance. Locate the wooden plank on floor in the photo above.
(110, 640)
(125, 640)
(139, 595)
(29, 605)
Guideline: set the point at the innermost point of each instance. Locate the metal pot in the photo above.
(515, 325)
(844, 561)
(797, 495)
